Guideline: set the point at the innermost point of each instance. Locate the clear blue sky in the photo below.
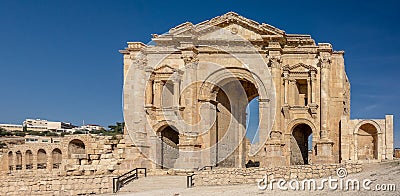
(59, 59)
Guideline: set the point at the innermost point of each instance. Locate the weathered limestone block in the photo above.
(79, 156)
(94, 156)
(106, 156)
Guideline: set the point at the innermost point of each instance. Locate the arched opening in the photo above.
(29, 159)
(10, 161)
(41, 159)
(56, 157)
(252, 125)
(252, 121)
(367, 140)
(300, 145)
(18, 159)
(229, 130)
(76, 146)
(169, 146)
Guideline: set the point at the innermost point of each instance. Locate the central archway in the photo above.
(300, 144)
(228, 133)
(252, 84)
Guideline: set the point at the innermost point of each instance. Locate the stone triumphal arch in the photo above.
(186, 93)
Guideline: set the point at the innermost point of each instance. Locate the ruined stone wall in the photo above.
(230, 176)
(48, 184)
(73, 155)
(367, 140)
(78, 164)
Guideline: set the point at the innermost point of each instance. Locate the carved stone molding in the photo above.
(150, 111)
(285, 110)
(313, 110)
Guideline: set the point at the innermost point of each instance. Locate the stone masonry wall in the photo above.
(230, 176)
(55, 185)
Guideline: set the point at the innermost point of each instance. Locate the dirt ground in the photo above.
(376, 175)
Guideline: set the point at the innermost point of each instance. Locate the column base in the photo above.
(273, 154)
(189, 158)
(324, 152)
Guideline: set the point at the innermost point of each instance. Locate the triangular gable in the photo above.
(165, 69)
(299, 68)
(234, 18)
(230, 21)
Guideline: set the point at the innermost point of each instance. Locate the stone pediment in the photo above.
(299, 68)
(165, 69)
(231, 32)
(222, 28)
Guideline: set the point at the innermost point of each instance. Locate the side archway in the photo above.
(301, 142)
(167, 146)
(366, 140)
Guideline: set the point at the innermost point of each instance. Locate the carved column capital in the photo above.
(286, 75)
(324, 61)
(190, 59)
(274, 61)
(276, 135)
(313, 75)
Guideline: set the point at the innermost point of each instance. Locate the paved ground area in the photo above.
(378, 173)
(155, 184)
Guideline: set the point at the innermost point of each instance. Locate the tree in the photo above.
(25, 129)
(119, 127)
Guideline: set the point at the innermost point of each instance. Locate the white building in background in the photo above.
(55, 126)
(91, 127)
(41, 139)
(84, 129)
(35, 124)
(45, 125)
(12, 127)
